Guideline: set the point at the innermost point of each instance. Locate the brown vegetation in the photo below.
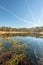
(17, 55)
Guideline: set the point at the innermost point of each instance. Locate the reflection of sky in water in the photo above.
(6, 45)
(30, 40)
(36, 43)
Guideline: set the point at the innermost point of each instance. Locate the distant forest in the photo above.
(35, 29)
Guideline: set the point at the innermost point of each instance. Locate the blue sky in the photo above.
(21, 13)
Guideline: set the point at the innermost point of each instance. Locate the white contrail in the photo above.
(35, 21)
(25, 21)
(39, 21)
(41, 16)
(30, 11)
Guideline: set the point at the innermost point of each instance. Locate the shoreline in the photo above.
(7, 32)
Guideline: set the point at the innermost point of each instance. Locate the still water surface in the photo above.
(35, 45)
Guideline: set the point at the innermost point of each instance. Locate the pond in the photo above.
(34, 46)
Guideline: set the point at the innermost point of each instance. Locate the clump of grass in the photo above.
(19, 53)
(15, 60)
(1, 46)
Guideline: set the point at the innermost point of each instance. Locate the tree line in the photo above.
(35, 29)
